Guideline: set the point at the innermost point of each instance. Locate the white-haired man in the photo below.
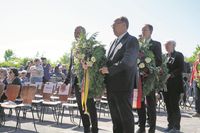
(174, 92)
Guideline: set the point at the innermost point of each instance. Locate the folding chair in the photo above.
(67, 102)
(103, 104)
(27, 95)
(37, 102)
(46, 103)
(12, 92)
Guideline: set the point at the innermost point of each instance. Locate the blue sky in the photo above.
(47, 26)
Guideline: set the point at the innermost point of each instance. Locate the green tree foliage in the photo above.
(65, 59)
(194, 55)
(9, 54)
(15, 62)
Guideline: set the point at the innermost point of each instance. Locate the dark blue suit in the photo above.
(120, 81)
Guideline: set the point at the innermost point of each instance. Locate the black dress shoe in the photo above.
(140, 130)
(167, 129)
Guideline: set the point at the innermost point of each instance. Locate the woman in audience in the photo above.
(3, 80)
(37, 72)
(13, 77)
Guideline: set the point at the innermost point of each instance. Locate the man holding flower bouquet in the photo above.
(83, 64)
(150, 50)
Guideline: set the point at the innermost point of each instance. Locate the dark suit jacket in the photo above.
(156, 49)
(176, 66)
(71, 77)
(123, 67)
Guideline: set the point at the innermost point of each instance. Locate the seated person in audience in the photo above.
(58, 75)
(3, 76)
(3, 79)
(13, 78)
(23, 76)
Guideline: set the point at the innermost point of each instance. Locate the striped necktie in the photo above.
(113, 47)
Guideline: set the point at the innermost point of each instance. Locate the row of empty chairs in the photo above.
(41, 97)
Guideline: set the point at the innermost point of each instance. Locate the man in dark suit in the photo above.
(150, 98)
(90, 119)
(120, 76)
(175, 91)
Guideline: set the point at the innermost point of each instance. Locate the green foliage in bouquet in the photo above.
(163, 75)
(92, 53)
(147, 68)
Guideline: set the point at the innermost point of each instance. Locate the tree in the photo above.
(194, 55)
(65, 59)
(9, 54)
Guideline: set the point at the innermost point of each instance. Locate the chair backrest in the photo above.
(63, 93)
(28, 93)
(48, 90)
(12, 91)
(2, 86)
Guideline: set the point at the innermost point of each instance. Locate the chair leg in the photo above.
(99, 110)
(79, 125)
(58, 117)
(37, 110)
(63, 109)
(33, 120)
(42, 113)
(54, 113)
(2, 114)
(17, 110)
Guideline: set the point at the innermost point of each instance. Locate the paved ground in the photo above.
(188, 124)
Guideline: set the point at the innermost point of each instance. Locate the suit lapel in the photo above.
(119, 46)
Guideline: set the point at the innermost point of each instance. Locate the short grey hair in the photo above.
(124, 20)
(171, 42)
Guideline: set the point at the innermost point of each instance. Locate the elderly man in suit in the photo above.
(175, 91)
(121, 71)
(150, 98)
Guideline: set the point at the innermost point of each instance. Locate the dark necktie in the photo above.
(113, 48)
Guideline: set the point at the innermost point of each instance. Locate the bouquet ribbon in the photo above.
(85, 90)
(137, 95)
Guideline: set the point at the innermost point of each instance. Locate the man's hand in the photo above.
(104, 70)
(84, 65)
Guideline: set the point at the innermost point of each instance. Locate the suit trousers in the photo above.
(171, 99)
(121, 111)
(92, 111)
(151, 111)
(197, 98)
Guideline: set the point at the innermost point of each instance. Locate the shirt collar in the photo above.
(148, 40)
(121, 36)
